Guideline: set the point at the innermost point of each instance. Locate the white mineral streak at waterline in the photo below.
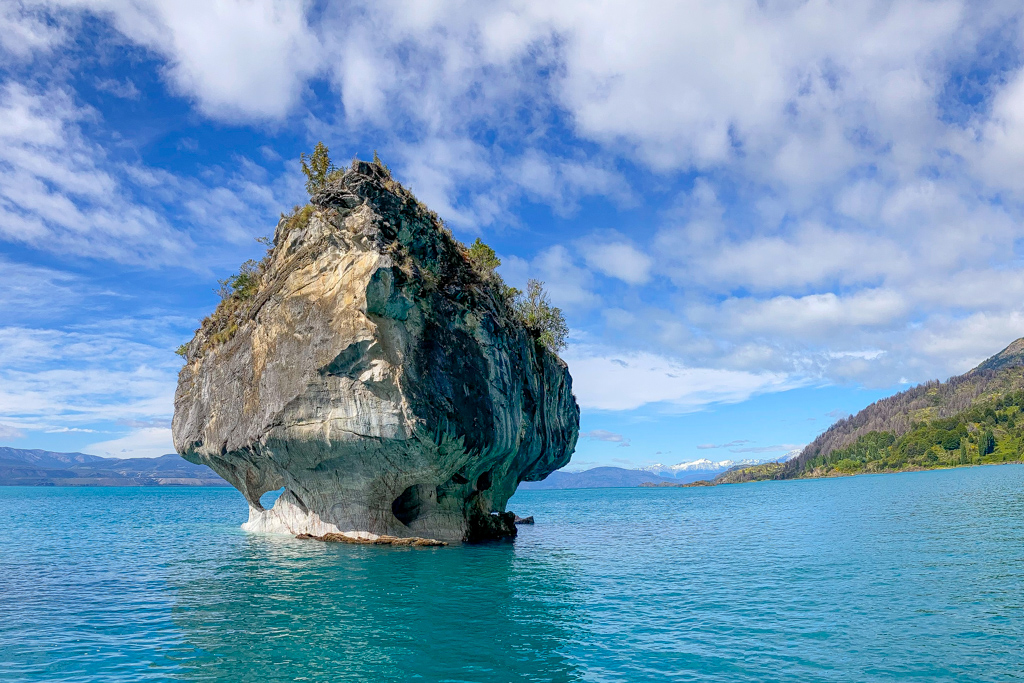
(285, 517)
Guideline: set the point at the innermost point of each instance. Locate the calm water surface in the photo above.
(893, 577)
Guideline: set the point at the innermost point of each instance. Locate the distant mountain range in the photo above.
(19, 467)
(698, 468)
(611, 477)
(596, 478)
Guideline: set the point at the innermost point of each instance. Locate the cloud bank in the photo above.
(752, 196)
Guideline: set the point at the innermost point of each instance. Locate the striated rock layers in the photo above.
(375, 375)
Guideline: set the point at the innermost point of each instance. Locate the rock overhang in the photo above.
(377, 378)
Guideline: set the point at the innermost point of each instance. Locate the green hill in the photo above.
(972, 419)
(738, 475)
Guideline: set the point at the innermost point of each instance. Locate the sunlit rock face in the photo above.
(377, 378)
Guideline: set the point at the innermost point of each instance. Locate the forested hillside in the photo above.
(974, 418)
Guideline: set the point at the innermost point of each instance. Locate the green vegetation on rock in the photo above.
(235, 292)
(317, 167)
(482, 257)
(298, 219)
(543, 320)
(532, 310)
(243, 284)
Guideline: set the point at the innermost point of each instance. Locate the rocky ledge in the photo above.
(360, 538)
(369, 369)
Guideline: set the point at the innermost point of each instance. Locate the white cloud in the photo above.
(692, 83)
(796, 95)
(604, 435)
(240, 59)
(995, 145)
(957, 344)
(686, 82)
(792, 96)
(437, 168)
(126, 90)
(9, 432)
(31, 291)
(55, 195)
(811, 255)
(143, 443)
(628, 381)
(815, 315)
(568, 285)
(24, 32)
(60, 192)
(619, 260)
(561, 183)
(53, 379)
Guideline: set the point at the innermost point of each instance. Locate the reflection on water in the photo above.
(895, 577)
(310, 611)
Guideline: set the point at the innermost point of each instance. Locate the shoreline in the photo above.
(704, 483)
(697, 484)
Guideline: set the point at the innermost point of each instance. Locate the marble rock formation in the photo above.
(376, 376)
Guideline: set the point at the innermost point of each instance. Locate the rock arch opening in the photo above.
(413, 503)
(268, 499)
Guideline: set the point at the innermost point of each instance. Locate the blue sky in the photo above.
(757, 216)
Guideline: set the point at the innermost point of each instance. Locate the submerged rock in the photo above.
(373, 539)
(374, 375)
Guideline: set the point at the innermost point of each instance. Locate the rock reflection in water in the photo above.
(283, 609)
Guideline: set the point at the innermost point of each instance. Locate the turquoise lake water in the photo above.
(893, 577)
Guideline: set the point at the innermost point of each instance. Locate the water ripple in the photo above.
(910, 577)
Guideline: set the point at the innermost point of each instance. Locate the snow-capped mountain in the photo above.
(706, 466)
(702, 465)
(682, 473)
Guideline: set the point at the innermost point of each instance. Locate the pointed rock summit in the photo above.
(1010, 357)
(369, 368)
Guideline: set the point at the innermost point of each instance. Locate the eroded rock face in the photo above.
(377, 378)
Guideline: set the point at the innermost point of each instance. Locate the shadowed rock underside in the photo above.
(377, 377)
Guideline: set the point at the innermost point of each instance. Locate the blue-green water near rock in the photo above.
(894, 577)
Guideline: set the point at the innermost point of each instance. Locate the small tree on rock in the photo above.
(244, 284)
(482, 257)
(316, 167)
(543, 320)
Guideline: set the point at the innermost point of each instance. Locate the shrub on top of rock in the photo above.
(531, 309)
(317, 167)
(544, 321)
(482, 258)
